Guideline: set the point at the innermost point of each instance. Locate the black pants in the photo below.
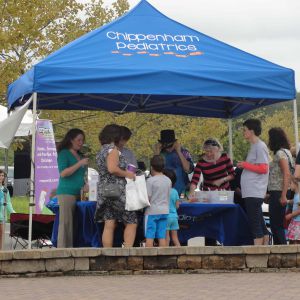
(255, 217)
(277, 213)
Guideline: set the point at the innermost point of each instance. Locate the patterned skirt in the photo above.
(294, 231)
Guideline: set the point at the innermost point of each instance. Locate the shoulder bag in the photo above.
(111, 191)
(290, 193)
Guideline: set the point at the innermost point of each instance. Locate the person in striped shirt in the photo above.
(215, 166)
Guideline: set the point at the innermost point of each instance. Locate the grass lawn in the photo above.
(20, 204)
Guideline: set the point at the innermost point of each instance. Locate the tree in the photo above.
(30, 30)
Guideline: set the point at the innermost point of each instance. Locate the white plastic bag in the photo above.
(136, 194)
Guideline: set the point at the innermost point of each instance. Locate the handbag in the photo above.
(136, 194)
(292, 168)
(290, 193)
(111, 191)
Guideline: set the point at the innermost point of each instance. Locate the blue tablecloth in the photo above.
(87, 231)
(226, 223)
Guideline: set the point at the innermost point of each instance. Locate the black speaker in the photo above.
(22, 164)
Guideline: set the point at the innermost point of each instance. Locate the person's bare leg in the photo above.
(162, 242)
(149, 243)
(168, 238)
(129, 235)
(175, 239)
(266, 240)
(258, 241)
(108, 233)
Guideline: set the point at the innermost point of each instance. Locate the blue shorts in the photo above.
(172, 223)
(155, 226)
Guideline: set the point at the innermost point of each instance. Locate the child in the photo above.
(294, 227)
(172, 222)
(158, 188)
(4, 194)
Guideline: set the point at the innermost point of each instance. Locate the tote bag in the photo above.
(136, 194)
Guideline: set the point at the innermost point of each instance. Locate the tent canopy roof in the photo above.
(146, 62)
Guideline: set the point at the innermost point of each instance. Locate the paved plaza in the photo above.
(188, 286)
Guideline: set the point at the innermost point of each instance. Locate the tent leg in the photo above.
(230, 138)
(32, 183)
(296, 125)
(5, 196)
(4, 200)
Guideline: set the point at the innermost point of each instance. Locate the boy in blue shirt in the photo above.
(172, 221)
(158, 188)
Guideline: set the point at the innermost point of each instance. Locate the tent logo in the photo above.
(128, 44)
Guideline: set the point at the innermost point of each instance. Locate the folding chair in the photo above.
(267, 221)
(41, 230)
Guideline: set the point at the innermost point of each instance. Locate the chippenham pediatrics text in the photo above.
(154, 42)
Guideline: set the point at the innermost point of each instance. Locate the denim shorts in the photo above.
(172, 223)
(155, 226)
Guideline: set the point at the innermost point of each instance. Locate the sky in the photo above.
(269, 29)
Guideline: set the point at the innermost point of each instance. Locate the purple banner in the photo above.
(46, 170)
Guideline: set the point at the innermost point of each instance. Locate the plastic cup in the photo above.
(131, 168)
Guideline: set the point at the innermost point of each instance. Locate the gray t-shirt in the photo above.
(158, 188)
(129, 156)
(254, 184)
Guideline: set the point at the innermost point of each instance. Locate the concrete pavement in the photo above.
(245, 286)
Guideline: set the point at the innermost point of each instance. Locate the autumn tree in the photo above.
(30, 30)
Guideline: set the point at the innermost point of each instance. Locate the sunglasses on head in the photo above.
(211, 143)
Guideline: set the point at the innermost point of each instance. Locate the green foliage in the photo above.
(31, 30)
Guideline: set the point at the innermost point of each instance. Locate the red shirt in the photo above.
(213, 171)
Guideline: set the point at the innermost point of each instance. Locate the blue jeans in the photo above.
(277, 214)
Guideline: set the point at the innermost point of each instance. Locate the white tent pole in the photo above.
(296, 125)
(6, 158)
(32, 183)
(230, 138)
(5, 196)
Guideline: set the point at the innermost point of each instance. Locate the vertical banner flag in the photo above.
(46, 169)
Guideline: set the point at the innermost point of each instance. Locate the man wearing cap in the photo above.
(176, 157)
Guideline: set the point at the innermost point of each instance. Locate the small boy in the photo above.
(158, 188)
(172, 221)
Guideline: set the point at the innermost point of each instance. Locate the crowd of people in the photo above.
(258, 179)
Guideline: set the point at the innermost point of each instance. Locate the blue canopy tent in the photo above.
(146, 62)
